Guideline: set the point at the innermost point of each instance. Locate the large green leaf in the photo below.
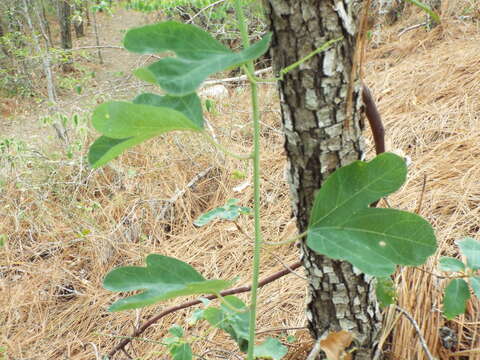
(455, 298)
(475, 283)
(470, 248)
(181, 352)
(189, 105)
(451, 264)
(120, 120)
(105, 149)
(342, 226)
(125, 125)
(198, 54)
(270, 349)
(163, 278)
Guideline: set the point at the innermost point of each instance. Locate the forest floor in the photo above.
(65, 225)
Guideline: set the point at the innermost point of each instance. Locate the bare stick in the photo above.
(205, 8)
(163, 214)
(413, 27)
(417, 329)
(188, 304)
(235, 79)
(315, 350)
(420, 202)
(97, 39)
(92, 47)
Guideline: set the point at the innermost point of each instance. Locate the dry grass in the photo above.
(68, 226)
(427, 85)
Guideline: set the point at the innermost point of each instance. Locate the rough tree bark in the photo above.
(318, 140)
(46, 25)
(64, 13)
(78, 22)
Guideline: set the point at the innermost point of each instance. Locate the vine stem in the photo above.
(256, 179)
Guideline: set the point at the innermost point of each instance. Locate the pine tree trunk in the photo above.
(318, 140)
(65, 28)
(3, 48)
(86, 10)
(64, 13)
(78, 20)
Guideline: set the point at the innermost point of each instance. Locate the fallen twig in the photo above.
(315, 351)
(179, 193)
(235, 79)
(417, 329)
(413, 27)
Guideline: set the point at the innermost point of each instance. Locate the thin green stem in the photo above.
(256, 180)
(309, 56)
(224, 149)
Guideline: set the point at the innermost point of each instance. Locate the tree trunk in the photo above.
(65, 26)
(3, 48)
(64, 13)
(318, 140)
(45, 56)
(86, 10)
(97, 37)
(78, 22)
(46, 24)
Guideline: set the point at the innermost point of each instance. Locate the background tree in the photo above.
(64, 19)
(321, 136)
(64, 14)
(78, 19)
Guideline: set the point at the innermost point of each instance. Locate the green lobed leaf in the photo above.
(451, 264)
(189, 105)
(196, 316)
(198, 54)
(475, 283)
(230, 211)
(470, 248)
(176, 330)
(105, 149)
(163, 278)
(181, 352)
(233, 319)
(120, 120)
(145, 75)
(375, 240)
(385, 291)
(171, 340)
(455, 298)
(270, 349)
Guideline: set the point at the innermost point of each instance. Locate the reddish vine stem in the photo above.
(190, 303)
(374, 119)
